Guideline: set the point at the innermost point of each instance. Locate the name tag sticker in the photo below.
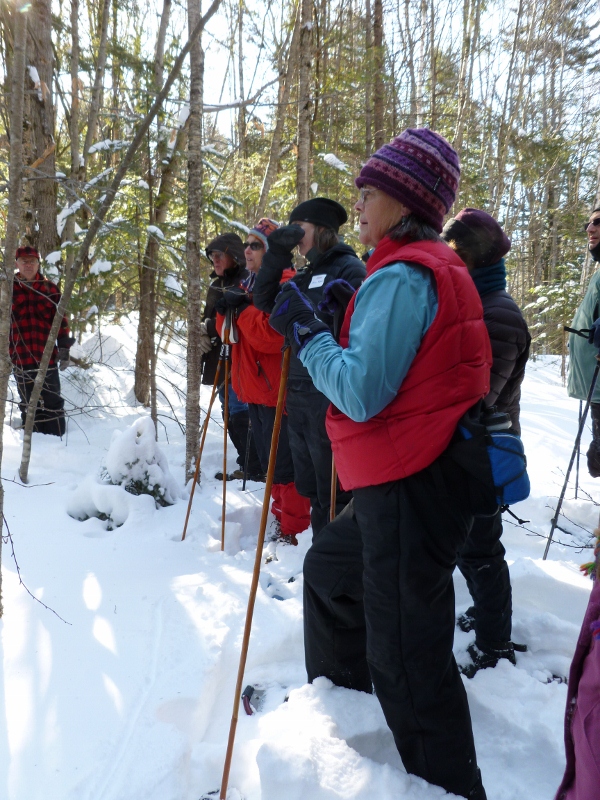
(317, 280)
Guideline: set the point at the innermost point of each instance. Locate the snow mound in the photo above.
(106, 350)
(134, 465)
(136, 462)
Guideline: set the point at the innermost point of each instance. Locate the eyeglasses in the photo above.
(595, 223)
(364, 195)
(254, 245)
(218, 254)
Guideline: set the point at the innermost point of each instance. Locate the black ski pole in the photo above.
(578, 455)
(575, 449)
(247, 455)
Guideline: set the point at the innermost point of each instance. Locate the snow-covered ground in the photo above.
(129, 695)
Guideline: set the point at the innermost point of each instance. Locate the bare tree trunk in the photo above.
(17, 86)
(39, 201)
(378, 61)
(69, 229)
(432, 66)
(147, 311)
(95, 225)
(369, 79)
(98, 82)
(242, 108)
(304, 101)
(192, 247)
(285, 85)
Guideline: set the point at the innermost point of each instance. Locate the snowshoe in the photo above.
(466, 622)
(484, 657)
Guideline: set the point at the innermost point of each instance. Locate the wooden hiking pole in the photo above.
(256, 573)
(333, 498)
(226, 347)
(201, 448)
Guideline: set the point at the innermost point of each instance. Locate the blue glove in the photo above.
(594, 334)
(294, 317)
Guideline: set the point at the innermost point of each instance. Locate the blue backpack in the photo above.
(494, 457)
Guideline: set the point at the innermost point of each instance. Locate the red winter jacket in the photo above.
(256, 357)
(449, 374)
(33, 308)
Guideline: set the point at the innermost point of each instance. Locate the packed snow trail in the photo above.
(132, 699)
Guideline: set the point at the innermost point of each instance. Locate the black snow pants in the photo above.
(49, 415)
(379, 606)
(311, 450)
(482, 562)
(263, 420)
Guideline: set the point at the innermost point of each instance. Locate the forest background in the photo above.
(120, 185)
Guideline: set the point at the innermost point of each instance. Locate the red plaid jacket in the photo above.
(33, 308)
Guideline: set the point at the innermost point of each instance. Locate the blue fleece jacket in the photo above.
(393, 310)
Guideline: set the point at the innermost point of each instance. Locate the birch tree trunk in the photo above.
(192, 247)
(304, 101)
(95, 225)
(17, 86)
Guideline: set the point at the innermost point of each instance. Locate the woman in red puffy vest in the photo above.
(413, 357)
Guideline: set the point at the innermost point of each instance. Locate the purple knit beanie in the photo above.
(420, 169)
(477, 233)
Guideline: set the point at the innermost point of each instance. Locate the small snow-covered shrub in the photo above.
(136, 462)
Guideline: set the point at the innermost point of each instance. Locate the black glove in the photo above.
(294, 317)
(336, 294)
(63, 358)
(235, 298)
(594, 334)
(283, 240)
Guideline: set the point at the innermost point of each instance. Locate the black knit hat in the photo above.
(320, 211)
(229, 243)
(479, 234)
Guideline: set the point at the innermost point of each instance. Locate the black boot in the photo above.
(487, 655)
(466, 622)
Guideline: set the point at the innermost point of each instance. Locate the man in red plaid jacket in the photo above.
(33, 307)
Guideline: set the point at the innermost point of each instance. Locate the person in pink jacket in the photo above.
(581, 780)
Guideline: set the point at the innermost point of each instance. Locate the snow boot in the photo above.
(277, 535)
(488, 655)
(466, 622)
(238, 475)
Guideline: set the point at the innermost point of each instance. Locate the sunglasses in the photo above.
(254, 245)
(593, 222)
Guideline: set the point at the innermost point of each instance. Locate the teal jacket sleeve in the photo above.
(393, 310)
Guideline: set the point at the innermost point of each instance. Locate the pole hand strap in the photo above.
(584, 332)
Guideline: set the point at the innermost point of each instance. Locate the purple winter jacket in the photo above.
(581, 780)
